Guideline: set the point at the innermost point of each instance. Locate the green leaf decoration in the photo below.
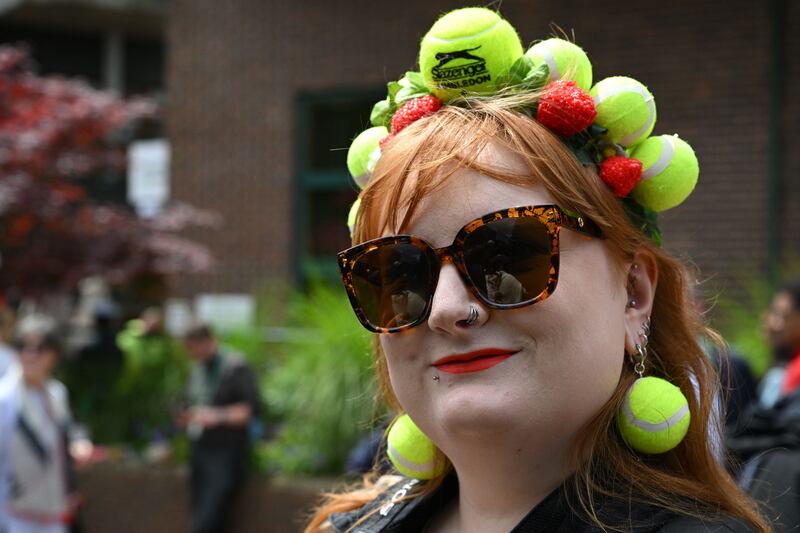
(643, 218)
(393, 87)
(414, 79)
(588, 144)
(536, 77)
(408, 93)
(525, 74)
(381, 113)
(412, 85)
(516, 74)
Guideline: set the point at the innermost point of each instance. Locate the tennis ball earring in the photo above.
(412, 452)
(654, 416)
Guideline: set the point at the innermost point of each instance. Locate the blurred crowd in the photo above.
(42, 446)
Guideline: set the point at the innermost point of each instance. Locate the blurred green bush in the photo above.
(322, 389)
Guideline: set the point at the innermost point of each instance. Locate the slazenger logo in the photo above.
(397, 496)
(463, 75)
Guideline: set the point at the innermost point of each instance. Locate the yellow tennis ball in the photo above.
(565, 60)
(412, 452)
(364, 153)
(351, 216)
(669, 172)
(654, 416)
(626, 108)
(466, 50)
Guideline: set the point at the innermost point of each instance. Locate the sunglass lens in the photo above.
(508, 260)
(392, 284)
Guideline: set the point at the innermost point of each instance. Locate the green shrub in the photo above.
(323, 388)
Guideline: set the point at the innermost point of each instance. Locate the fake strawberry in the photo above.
(621, 173)
(414, 110)
(565, 108)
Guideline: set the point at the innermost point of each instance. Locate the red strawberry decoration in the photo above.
(621, 174)
(414, 110)
(565, 108)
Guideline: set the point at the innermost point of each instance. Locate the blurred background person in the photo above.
(766, 440)
(224, 402)
(782, 330)
(8, 357)
(39, 447)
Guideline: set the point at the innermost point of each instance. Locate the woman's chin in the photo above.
(470, 412)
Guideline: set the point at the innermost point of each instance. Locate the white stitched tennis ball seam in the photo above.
(411, 451)
(664, 158)
(626, 108)
(654, 416)
(414, 466)
(670, 172)
(564, 60)
(603, 94)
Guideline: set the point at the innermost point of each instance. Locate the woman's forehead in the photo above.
(466, 196)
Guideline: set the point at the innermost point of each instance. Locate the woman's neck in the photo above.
(499, 485)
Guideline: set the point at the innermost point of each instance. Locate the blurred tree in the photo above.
(54, 133)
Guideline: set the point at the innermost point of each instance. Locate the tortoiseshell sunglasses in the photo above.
(508, 259)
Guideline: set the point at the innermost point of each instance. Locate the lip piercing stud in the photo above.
(436, 378)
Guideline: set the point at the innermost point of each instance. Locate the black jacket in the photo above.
(767, 441)
(391, 513)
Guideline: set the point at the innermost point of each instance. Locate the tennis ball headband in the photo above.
(474, 51)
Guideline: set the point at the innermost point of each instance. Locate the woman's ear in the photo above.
(642, 278)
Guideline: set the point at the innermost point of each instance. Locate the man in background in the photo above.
(223, 402)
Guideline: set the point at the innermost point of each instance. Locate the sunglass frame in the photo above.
(551, 216)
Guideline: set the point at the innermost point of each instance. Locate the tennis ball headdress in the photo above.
(474, 51)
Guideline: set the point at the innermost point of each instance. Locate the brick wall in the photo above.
(236, 67)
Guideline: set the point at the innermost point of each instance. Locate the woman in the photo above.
(36, 442)
(550, 304)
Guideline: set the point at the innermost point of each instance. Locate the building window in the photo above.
(327, 123)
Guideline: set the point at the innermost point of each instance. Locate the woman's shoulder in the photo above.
(643, 517)
(396, 506)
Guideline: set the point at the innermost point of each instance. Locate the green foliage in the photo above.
(410, 86)
(249, 342)
(525, 75)
(323, 389)
(643, 218)
(151, 386)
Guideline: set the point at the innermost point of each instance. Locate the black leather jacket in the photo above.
(392, 513)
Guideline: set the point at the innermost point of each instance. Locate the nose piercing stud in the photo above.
(473, 316)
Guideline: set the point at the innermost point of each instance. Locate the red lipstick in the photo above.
(476, 361)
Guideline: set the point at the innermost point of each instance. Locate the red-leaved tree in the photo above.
(53, 133)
